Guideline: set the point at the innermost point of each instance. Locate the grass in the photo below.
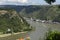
(13, 36)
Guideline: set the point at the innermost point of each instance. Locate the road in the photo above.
(38, 33)
(41, 30)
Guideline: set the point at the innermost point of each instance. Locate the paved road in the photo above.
(39, 33)
(41, 29)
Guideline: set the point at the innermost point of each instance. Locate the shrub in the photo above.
(53, 36)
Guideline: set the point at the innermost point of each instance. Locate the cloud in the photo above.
(11, 0)
(3, 2)
(19, 1)
(0, 2)
(23, 1)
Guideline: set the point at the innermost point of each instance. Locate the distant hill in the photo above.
(19, 8)
(43, 12)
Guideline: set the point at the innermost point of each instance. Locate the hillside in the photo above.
(11, 21)
(43, 12)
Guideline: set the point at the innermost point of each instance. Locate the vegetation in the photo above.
(53, 35)
(42, 12)
(11, 20)
(50, 1)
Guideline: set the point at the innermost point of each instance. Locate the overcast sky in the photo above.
(25, 2)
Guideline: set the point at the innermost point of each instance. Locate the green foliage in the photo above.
(53, 35)
(44, 13)
(50, 1)
(12, 21)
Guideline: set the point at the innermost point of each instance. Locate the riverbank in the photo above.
(6, 35)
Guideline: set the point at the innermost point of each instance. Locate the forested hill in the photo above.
(18, 8)
(11, 20)
(43, 12)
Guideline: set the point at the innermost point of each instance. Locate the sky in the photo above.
(25, 2)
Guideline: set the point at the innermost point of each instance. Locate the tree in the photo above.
(50, 1)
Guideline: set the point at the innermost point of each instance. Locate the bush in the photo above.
(53, 36)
